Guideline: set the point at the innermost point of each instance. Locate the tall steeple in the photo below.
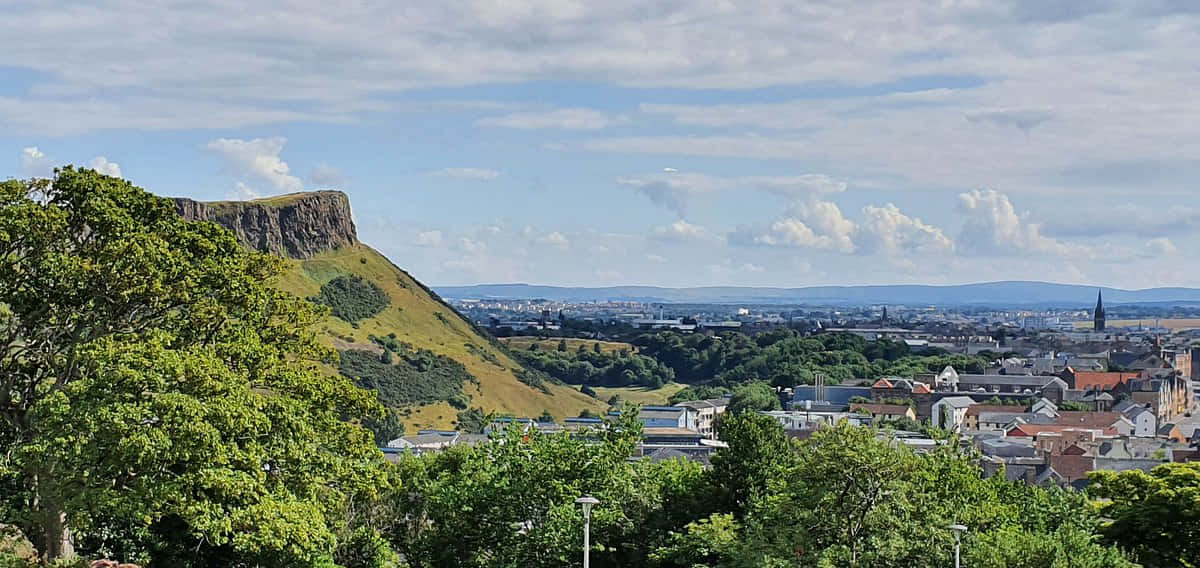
(1099, 313)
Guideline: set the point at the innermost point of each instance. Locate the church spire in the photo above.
(1099, 322)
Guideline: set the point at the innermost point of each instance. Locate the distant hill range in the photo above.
(982, 294)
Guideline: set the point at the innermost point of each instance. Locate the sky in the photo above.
(661, 142)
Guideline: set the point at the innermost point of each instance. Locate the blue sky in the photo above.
(668, 143)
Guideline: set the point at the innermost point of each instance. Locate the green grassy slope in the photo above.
(419, 318)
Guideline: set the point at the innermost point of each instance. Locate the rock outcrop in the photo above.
(297, 225)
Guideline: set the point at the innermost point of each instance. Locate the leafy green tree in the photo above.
(387, 427)
(1068, 547)
(562, 345)
(546, 416)
(595, 348)
(708, 542)
(1155, 515)
(758, 450)
(513, 503)
(160, 400)
(753, 397)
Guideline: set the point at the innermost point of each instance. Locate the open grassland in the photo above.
(523, 342)
(419, 318)
(640, 395)
(1172, 324)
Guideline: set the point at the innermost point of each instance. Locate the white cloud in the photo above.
(563, 118)
(819, 225)
(1159, 247)
(655, 258)
(554, 239)
(679, 231)
(257, 159)
(429, 238)
(35, 163)
(889, 230)
(471, 246)
(102, 165)
(993, 226)
(473, 174)
(243, 192)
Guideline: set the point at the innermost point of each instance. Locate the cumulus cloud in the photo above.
(563, 118)
(554, 239)
(102, 165)
(472, 174)
(471, 246)
(679, 231)
(1159, 247)
(889, 230)
(818, 225)
(243, 192)
(257, 159)
(35, 163)
(993, 226)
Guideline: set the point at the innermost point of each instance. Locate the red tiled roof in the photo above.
(1105, 381)
(882, 384)
(921, 388)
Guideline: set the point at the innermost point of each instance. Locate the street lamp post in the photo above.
(586, 502)
(958, 530)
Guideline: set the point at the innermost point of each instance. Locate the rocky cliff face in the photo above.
(298, 225)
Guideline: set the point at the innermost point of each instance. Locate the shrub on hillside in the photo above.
(418, 377)
(352, 298)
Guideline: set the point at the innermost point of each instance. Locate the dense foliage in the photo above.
(160, 401)
(1157, 514)
(593, 368)
(412, 376)
(352, 298)
(845, 497)
(784, 358)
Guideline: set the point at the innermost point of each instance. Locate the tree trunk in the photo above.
(55, 538)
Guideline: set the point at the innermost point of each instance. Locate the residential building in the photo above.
(706, 413)
(951, 412)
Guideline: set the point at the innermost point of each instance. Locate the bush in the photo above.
(417, 377)
(352, 298)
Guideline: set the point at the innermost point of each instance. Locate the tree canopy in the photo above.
(160, 401)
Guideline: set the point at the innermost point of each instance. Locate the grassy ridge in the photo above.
(418, 317)
(524, 341)
(640, 395)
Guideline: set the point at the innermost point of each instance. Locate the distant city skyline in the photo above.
(627, 143)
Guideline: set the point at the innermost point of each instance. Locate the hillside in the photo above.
(316, 232)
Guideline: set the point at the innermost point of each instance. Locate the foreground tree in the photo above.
(157, 395)
(1156, 514)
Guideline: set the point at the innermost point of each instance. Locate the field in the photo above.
(523, 342)
(640, 395)
(1172, 324)
(419, 318)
